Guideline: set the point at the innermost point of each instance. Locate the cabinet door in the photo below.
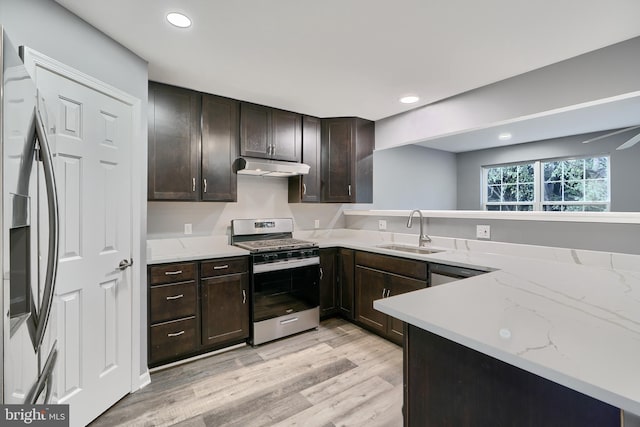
(174, 141)
(371, 285)
(225, 309)
(337, 161)
(306, 188)
(219, 148)
(255, 131)
(286, 139)
(328, 294)
(401, 285)
(346, 283)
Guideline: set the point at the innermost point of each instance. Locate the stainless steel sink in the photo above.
(412, 249)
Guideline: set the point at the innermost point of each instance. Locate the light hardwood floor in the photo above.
(339, 375)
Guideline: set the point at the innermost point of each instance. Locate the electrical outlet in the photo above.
(316, 223)
(483, 231)
(188, 229)
(382, 224)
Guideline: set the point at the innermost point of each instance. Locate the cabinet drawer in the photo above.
(171, 273)
(172, 339)
(401, 266)
(168, 302)
(224, 266)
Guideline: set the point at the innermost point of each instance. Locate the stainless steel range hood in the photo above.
(274, 168)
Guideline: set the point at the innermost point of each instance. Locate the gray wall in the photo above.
(48, 28)
(621, 238)
(414, 177)
(606, 72)
(625, 170)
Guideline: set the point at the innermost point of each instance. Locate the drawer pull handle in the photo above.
(293, 319)
(175, 297)
(244, 296)
(176, 334)
(384, 291)
(220, 267)
(172, 273)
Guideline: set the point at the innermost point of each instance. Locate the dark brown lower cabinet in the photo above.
(448, 384)
(372, 284)
(225, 308)
(195, 307)
(382, 276)
(328, 291)
(170, 340)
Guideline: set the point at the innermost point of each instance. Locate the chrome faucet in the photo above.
(423, 239)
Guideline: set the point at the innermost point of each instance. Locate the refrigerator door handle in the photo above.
(43, 380)
(54, 229)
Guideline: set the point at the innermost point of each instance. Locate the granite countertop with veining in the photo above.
(571, 316)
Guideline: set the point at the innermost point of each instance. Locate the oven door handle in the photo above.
(285, 265)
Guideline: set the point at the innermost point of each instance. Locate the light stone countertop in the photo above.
(571, 316)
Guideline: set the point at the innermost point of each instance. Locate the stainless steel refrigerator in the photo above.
(29, 236)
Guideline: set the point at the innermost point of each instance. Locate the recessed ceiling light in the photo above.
(409, 99)
(504, 136)
(179, 20)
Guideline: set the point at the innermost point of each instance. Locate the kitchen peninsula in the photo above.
(538, 341)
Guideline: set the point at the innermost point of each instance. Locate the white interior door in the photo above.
(92, 142)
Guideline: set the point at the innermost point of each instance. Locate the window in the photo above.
(551, 185)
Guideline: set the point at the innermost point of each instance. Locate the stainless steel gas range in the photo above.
(285, 278)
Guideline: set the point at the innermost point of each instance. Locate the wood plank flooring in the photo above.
(339, 375)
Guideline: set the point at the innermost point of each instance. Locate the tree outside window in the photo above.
(551, 185)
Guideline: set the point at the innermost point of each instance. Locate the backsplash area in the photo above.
(607, 237)
(257, 197)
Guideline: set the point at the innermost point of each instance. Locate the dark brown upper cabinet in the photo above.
(219, 148)
(306, 188)
(193, 142)
(269, 133)
(174, 143)
(347, 160)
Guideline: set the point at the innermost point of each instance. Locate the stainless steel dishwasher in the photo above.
(439, 274)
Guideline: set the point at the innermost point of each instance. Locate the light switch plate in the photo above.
(316, 223)
(188, 229)
(483, 231)
(382, 224)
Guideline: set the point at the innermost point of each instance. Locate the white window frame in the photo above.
(538, 188)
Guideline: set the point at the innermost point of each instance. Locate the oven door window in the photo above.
(282, 292)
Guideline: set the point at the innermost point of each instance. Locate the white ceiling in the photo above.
(355, 57)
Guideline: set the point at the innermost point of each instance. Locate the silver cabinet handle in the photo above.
(293, 319)
(304, 189)
(193, 184)
(172, 273)
(175, 334)
(384, 291)
(220, 267)
(388, 293)
(321, 273)
(125, 263)
(175, 297)
(349, 188)
(204, 183)
(244, 296)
